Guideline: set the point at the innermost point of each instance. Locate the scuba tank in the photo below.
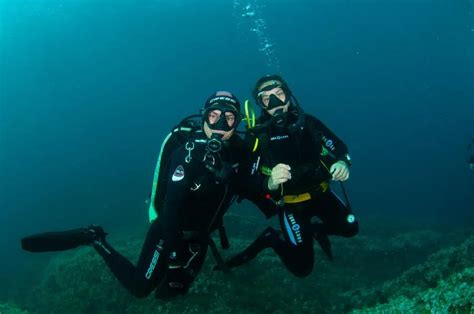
(179, 135)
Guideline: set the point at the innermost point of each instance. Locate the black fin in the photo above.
(62, 240)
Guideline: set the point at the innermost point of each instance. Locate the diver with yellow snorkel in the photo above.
(294, 158)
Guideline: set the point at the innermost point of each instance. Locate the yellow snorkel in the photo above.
(249, 114)
(250, 119)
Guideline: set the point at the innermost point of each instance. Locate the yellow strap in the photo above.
(298, 198)
(293, 199)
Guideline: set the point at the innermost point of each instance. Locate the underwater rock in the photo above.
(444, 283)
(452, 295)
(8, 308)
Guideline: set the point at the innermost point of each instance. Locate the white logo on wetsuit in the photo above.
(296, 228)
(255, 166)
(178, 174)
(329, 143)
(278, 138)
(154, 260)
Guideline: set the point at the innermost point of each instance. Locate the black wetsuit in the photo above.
(303, 151)
(176, 244)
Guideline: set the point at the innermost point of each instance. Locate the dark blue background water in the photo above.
(88, 90)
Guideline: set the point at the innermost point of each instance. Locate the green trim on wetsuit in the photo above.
(152, 211)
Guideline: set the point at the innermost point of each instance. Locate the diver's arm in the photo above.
(249, 179)
(335, 158)
(335, 146)
(250, 183)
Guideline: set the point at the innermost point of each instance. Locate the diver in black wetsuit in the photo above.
(199, 189)
(294, 157)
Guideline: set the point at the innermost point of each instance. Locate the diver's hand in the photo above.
(339, 171)
(280, 174)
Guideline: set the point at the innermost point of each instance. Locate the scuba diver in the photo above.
(198, 163)
(470, 150)
(294, 158)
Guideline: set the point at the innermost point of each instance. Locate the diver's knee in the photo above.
(303, 272)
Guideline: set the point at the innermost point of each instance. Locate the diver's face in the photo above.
(213, 117)
(280, 94)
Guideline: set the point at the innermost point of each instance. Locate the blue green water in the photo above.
(88, 90)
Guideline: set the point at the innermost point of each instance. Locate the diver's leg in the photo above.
(152, 265)
(336, 216)
(296, 252)
(183, 269)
